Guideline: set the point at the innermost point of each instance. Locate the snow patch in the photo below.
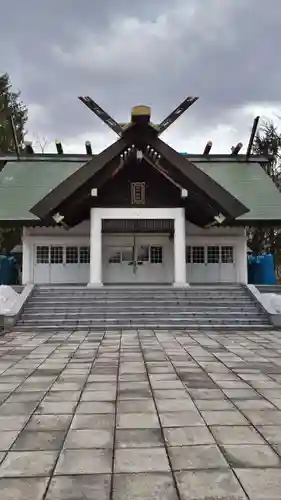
(8, 298)
(271, 302)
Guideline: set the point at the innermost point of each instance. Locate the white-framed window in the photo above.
(211, 254)
(56, 255)
(156, 254)
(84, 255)
(43, 254)
(227, 255)
(198, 255)
(71, 255)
(138, 193)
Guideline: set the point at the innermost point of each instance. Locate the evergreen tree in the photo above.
(10, 105)
(268, 144)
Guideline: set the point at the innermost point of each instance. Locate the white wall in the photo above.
(80, 235)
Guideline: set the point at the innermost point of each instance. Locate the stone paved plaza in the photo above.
(140, 415)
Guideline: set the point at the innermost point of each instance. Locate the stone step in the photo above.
(144, 300)
(143, 319)
(72, 308)
(137, 291)
(129, 314)
(135, 308)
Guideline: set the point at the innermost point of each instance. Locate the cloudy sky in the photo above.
(155, 52)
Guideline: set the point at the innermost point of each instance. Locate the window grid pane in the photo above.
(156, 255)
(188, 255)
(84, 257)
(56, 255)
(72, 255)
(227, 255)
(43, 255)
(213, 255)
(198, 255)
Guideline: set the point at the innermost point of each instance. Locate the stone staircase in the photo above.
(195, 307)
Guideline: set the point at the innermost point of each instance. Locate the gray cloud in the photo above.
(156, 52)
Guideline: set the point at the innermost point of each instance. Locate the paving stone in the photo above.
(98, 396)
(241, 394)
(67, 386)
(133, 377)
(143, 486)
(137, 421)
(209, 485)
(101, 386)
(23, 488)
(261, 484)
(206, 393)
(183, 436)
(236, 435)
(163, 376)
(224, 418)
(87, 487)
(253, 404)
(181, 419)
(170, 394)
(25, 397)
(245, 455)
(263, 417)
(7, 438)
(92, 461)
(13, 423)
(89, 438)
(62, 396)
(175, 405)
(95, 421)
(89, 407)
(196, 457)
(214, 404)
(49, 423)
(141, 460)
(127, 394)
(136, 405)
(272, 433)
(32, 440)
(28, 463)
(138, 438)
(55, 407)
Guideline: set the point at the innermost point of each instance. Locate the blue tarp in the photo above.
(261, 270)
(8, 270)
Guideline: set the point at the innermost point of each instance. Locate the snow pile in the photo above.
(8, 297)
(271, 302)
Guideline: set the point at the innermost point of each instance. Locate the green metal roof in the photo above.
(251, 185)
(25, 183)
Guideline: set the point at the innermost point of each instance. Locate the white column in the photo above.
(27, 263)
(179, 249)
(95, 249)
(241, 260)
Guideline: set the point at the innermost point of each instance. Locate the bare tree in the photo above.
(41, 141)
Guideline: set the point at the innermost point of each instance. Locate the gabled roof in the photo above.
(24, 183)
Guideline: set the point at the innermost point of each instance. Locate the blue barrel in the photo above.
(8, 270)
(261, 270)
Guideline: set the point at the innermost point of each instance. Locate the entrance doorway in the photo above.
(137, 259)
